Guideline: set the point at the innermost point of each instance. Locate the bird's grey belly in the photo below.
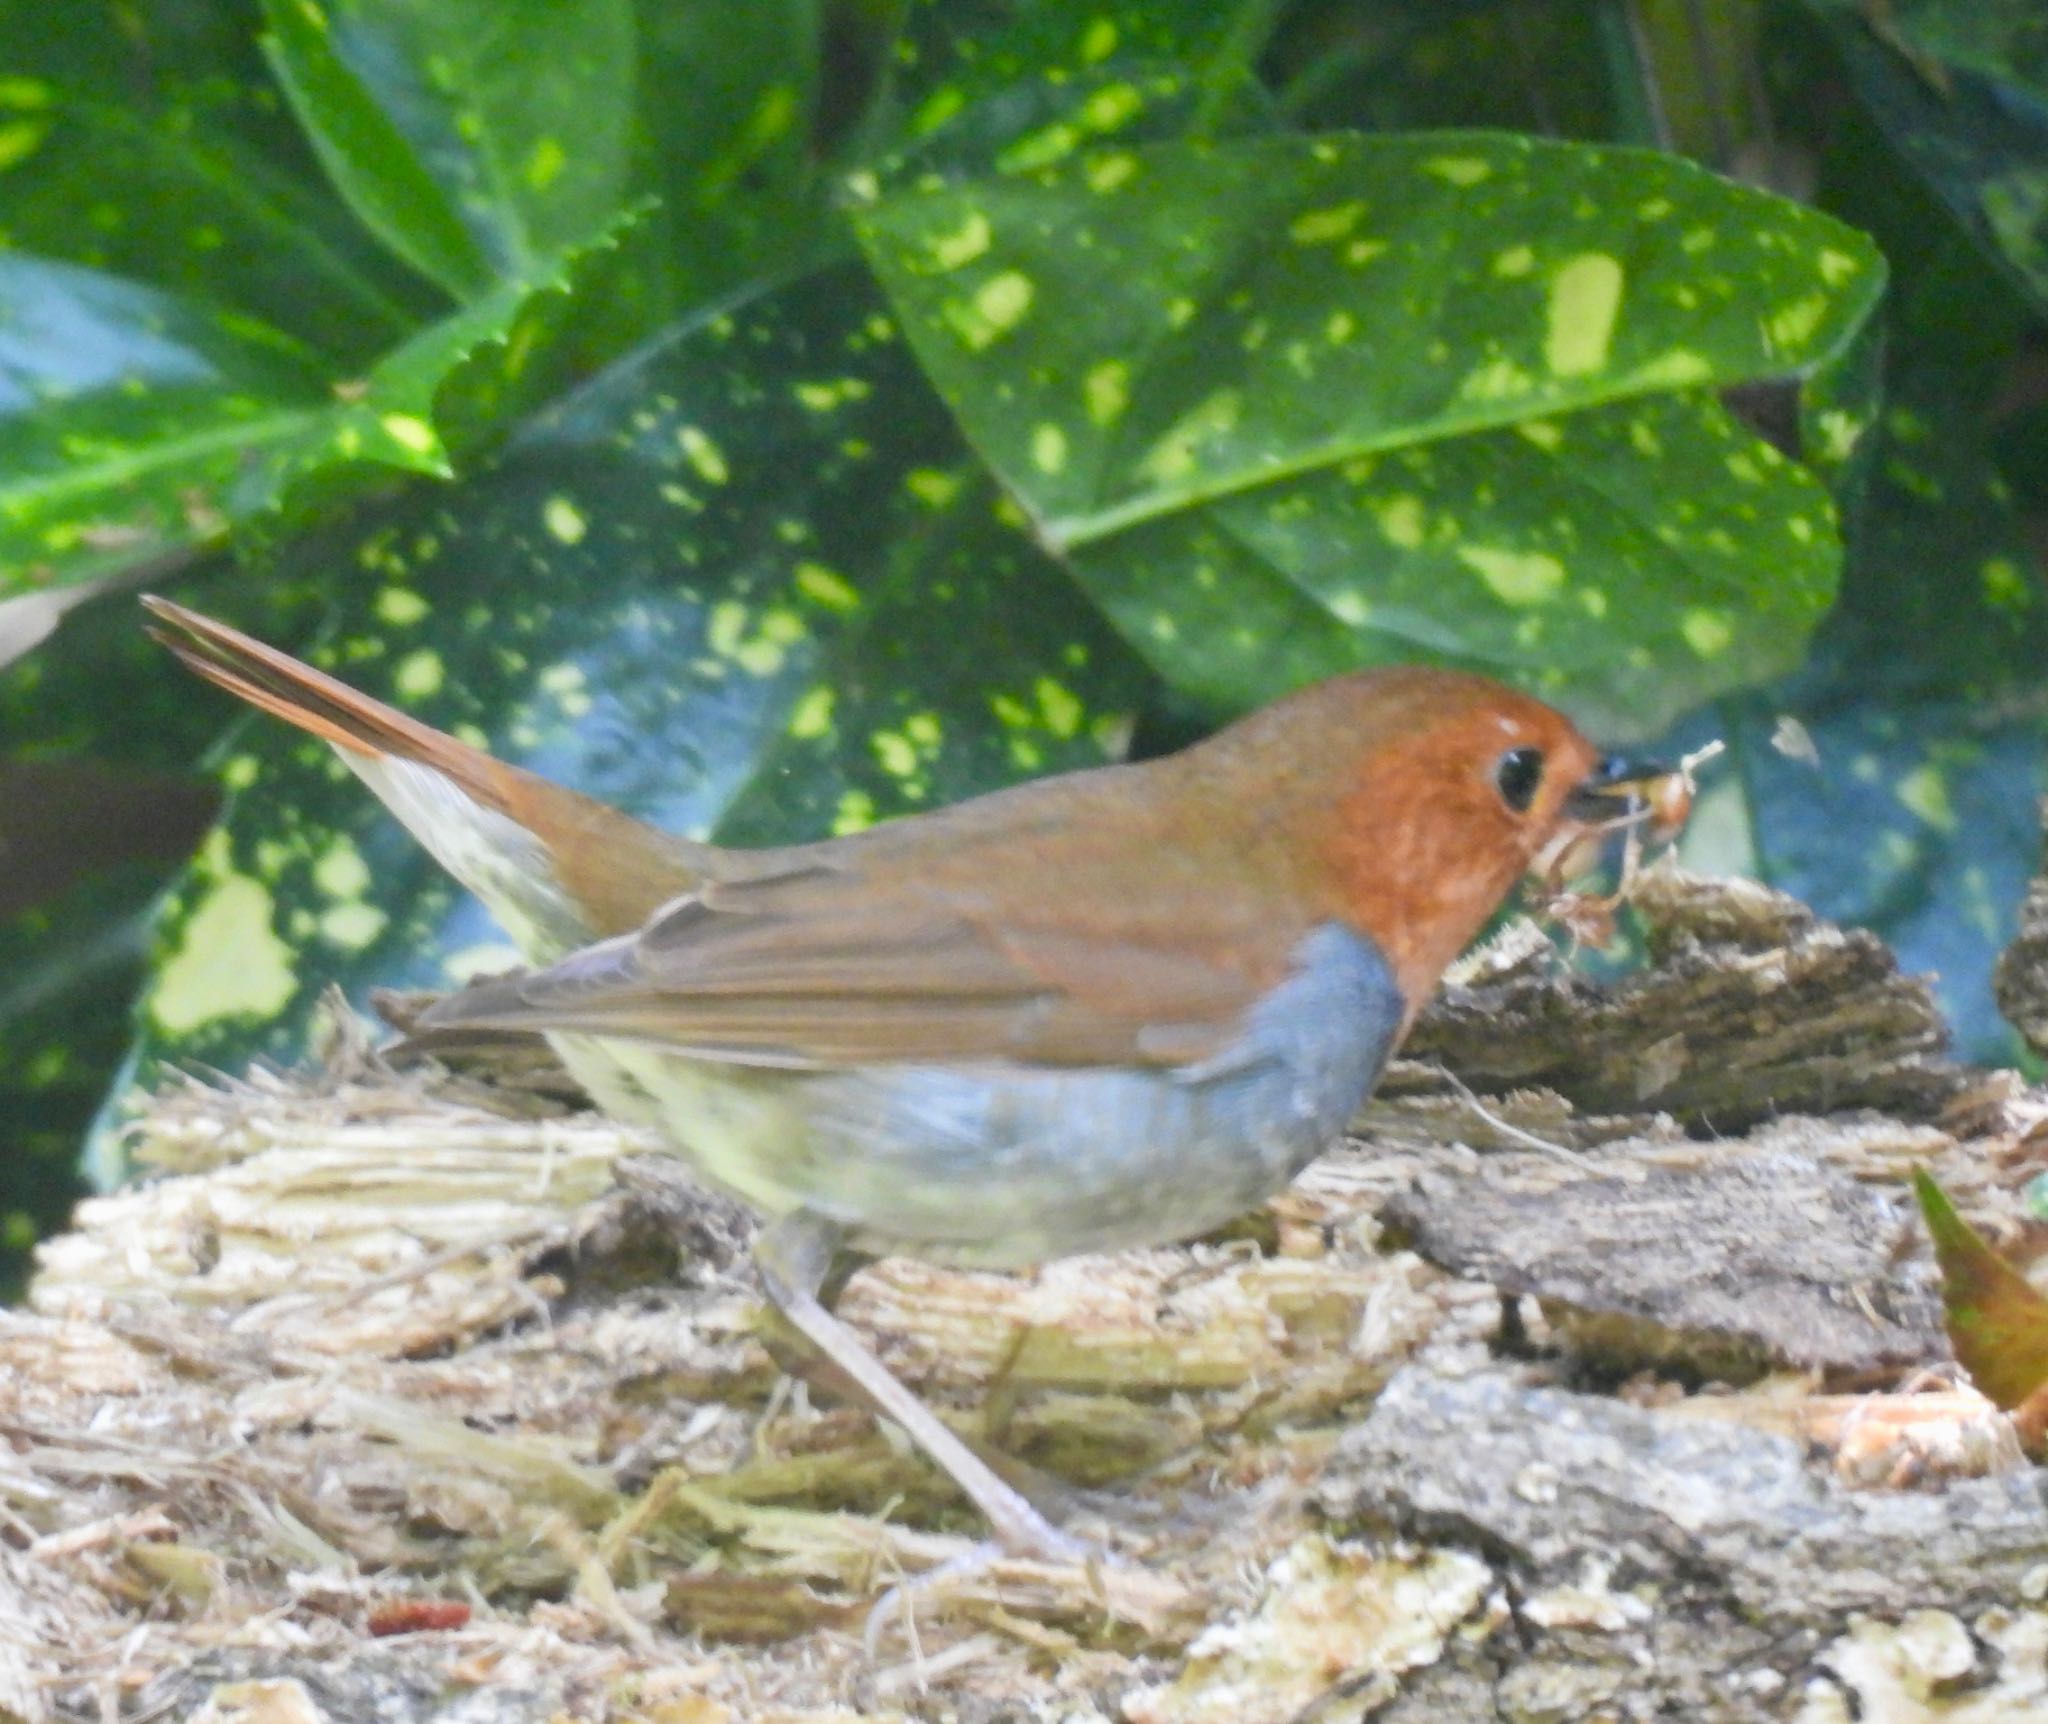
(1001, 1166)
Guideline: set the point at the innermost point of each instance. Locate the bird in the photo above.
(1110, 1008)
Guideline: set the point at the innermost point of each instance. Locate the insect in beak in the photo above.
(1617, 789)
(1646, 801)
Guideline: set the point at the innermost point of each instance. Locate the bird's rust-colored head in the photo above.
(1439, 791)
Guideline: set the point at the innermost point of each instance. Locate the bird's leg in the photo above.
(795, 1255)
(1054, 1498)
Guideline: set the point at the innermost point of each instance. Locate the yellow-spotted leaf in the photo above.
(121, 151)
(134, 423)
(1345, 377)
(454, 387)
(1908, 803)
(128, 416)
(734, 111)
(1136, 331)
(1018, 88)
(1960, 88)
(1607, 559)
(477, 138)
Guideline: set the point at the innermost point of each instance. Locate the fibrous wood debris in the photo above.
(1599, 1376)
(2022, 979)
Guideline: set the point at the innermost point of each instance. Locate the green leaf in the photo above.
(956, 54)
(95, 812)
(726, 585)
(457, 385)
(71, 968)
(728, 100)
(1604, 558)
(1261, 396)
(476, 137)
(1190, 321)
(371, 162)
(132, 423)
(1022, 88)
(158, 411)
(1923, 695)
(1387, 66)
(183, 206)
(1922, 700)
(523, 343)
(2002, 39)
(127, 417)
(1996, 1319)
(1961, 88)
(1837, 408)
(148, 143)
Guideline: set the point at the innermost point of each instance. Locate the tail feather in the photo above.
(557, 868)
(292, 690)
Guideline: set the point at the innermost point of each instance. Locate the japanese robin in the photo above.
(1113, 1008)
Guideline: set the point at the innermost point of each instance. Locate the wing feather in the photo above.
(886, 952)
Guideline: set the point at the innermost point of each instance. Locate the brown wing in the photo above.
(1010, 930)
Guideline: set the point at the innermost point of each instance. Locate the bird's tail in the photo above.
(557, 868)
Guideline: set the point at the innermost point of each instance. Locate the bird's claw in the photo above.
(1031, 1535)
(901, 1599)
(1034, 1540)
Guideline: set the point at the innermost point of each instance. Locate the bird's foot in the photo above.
(900, 1603)
(1035, 1540)
(1022, 1531)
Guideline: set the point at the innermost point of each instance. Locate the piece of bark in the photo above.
(1724, 1262)
(1753, 1007)
(2020, 982)
(391, 1683)
(1372, 1614)
(1662, 1567)
(1543, 1477)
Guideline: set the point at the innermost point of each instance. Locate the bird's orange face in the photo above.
(1465, 786)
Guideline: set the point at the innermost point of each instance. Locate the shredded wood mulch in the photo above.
(1600, 1375)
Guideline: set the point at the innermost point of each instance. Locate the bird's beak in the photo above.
(1620, 789)
(1644, 798)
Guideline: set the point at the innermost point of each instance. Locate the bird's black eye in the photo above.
(1517, 776)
